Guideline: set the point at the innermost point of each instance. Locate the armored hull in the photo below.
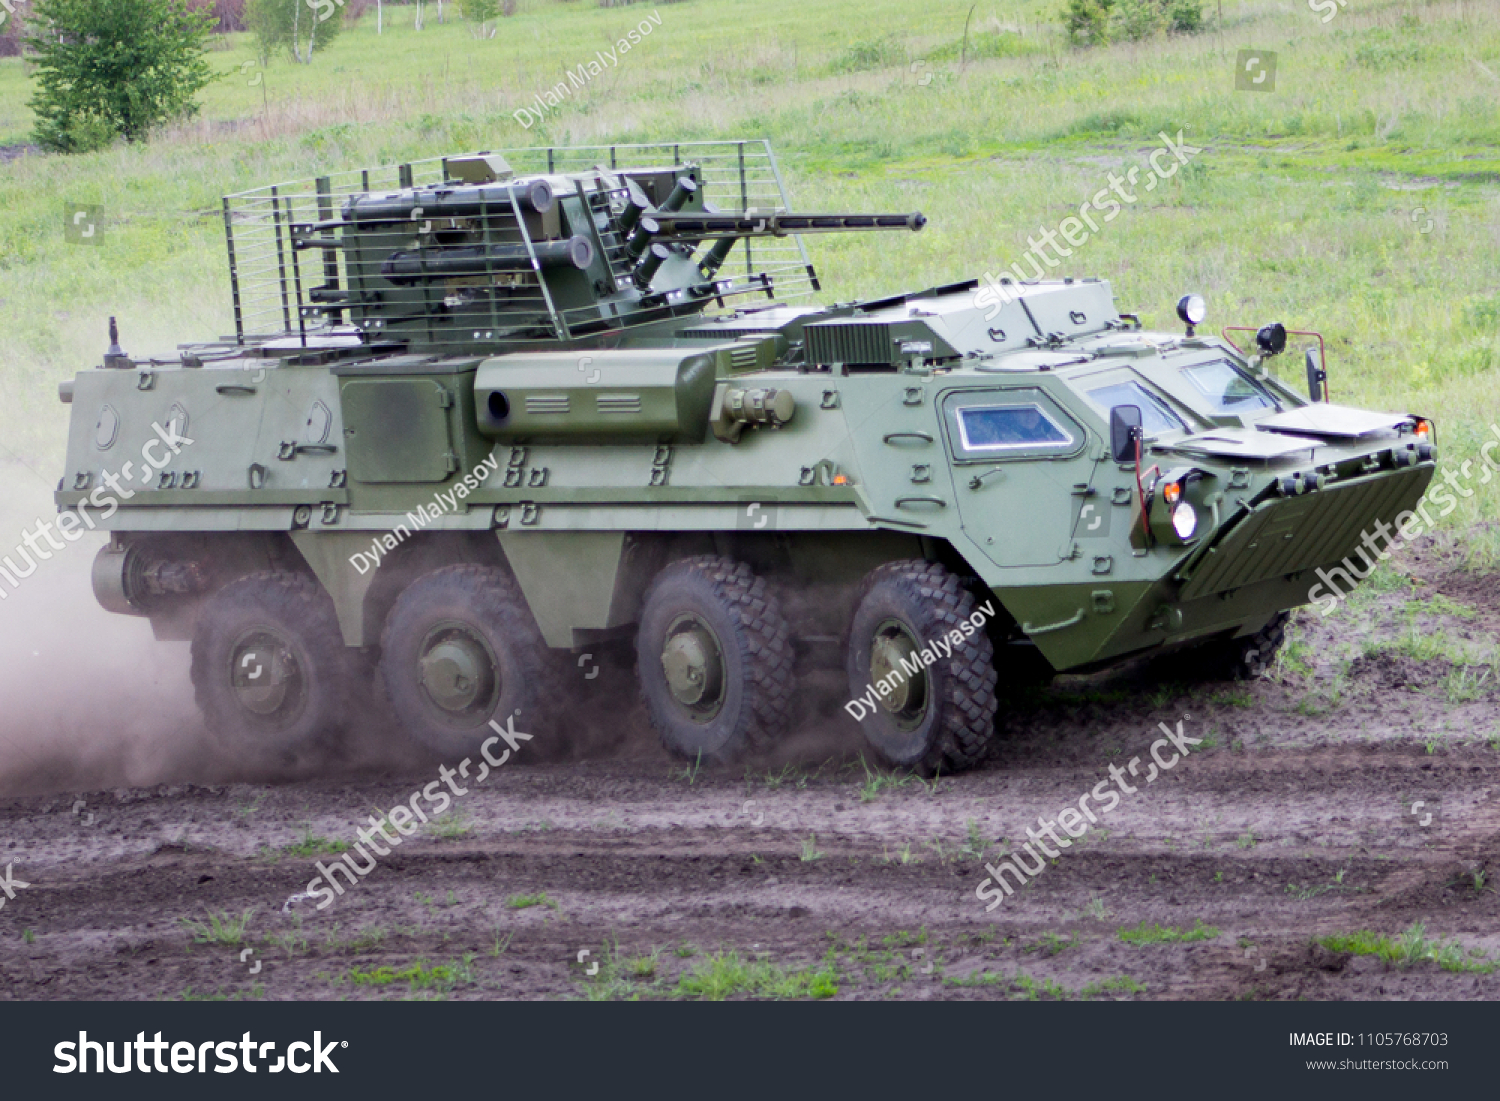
(470, 428)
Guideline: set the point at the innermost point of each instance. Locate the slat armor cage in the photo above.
(294, 283)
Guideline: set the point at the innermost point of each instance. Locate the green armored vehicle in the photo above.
(482, 416)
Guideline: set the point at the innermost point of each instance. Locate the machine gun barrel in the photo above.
(698, 226)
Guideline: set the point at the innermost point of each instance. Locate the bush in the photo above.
(877, 53)
(1098, 22)
(298, 26)
(116, 69)
(1184, 16)
(1087, 21)
(482, 14)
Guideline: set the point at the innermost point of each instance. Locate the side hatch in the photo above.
(1017, 455)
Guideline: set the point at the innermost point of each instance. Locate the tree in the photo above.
(482, 14)
(298, 26)
(115, 69)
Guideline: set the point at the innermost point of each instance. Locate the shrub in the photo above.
(876, 53)
(298, 26)
(1098, 22)
(1184, 16)
(114, 70)
(1087, 21)
(482, 14)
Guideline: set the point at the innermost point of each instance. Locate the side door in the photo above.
(1018, 455)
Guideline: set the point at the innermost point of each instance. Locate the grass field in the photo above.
(1360, 197)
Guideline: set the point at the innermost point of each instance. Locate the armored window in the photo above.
(1229, 390)
(1009, 427)
(1156, 416)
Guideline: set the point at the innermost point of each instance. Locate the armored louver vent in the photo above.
(618, 403)
(546, 403)
(724, 333)
(851, 342)
(743, 356)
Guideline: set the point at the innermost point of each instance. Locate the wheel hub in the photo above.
(694, 665)
(457, 670)
(264, 673)
(907, 700)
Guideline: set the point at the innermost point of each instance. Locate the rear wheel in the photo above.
(460, 648)
(714, 656)
(936, 712)
(270, 670)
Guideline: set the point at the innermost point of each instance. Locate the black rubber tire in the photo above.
(528, 692)
(757, 657)
(1238, 658)
(956, 728)
(297, 609)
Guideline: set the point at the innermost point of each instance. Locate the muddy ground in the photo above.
(1355, 786)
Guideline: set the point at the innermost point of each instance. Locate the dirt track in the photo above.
(1295, 817)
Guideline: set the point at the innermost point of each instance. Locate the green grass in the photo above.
(368, 937)
(1050, 944)
(1166, 934)
(904, 939)
(727, 975)
(1412, 946)
(223, 928)
(689, 773)
(525, 902)
(1120, 984)
(877, 782)
(1306, 892)
(420, 976)
(312, 845)
(451, 827)
(1020, 987)
(1305, 207)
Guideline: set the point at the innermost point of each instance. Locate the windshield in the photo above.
(1229, 390)
(1156, 416)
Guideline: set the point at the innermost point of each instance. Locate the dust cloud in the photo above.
(88, 700)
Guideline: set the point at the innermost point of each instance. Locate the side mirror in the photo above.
(1124, 432)
(1316, 377)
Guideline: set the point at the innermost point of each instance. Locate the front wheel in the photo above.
(1243, 658)
(714, 656)
(921, 670)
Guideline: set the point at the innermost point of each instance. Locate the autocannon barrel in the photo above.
(698, 226)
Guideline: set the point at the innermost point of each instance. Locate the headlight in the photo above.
(1184, 521)
(1192, 309)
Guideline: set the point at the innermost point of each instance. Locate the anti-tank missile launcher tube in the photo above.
(469, 202)
(714, 258)
(636, 204)
(650, 264)
(403, 268)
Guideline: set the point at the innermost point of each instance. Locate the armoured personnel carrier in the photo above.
(481, 415)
